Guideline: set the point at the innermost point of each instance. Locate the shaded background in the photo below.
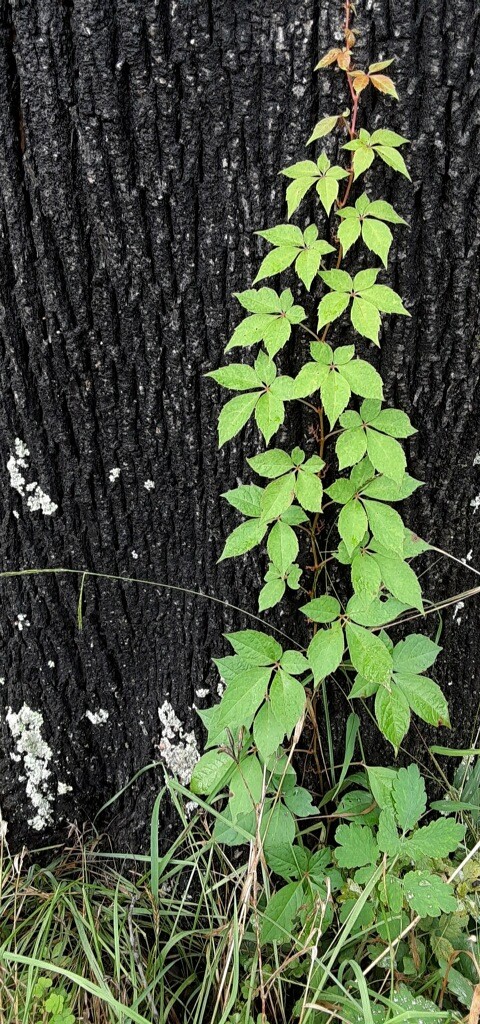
(141, 143)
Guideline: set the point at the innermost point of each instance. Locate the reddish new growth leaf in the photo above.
(360, 79)
(342, 57)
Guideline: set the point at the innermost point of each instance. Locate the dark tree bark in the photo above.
(141, 143)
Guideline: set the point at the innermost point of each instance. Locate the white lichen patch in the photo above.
(97, 717)
(475, 503)
(51, 664)
(476, 461)
(202, 692)
(21, 622)
(37, 499)
(26, 729)
(63, 788)
(149, 485)
(134, 554)
(114, 474)
(178, 748)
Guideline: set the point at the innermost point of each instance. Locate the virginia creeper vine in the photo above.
(267, 687)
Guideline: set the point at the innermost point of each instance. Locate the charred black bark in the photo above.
(141, 143)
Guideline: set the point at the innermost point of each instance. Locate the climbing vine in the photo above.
(358, 471)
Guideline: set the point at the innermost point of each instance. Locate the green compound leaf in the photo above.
(234, 416)
(366, 219)
(356, 846)
(271, 464)
(322, 609)
(331, 307)
(386, 525)
(271, 320)
(254, 647)
(247, 498)
(415, 654)
(211, 772)
(243, 538)
(293, 245)
(428, 895)
(241, 700)
(400, 579)
(393, 715)
(282, 545)
(352, 524)
(268, 731)
(335, 393)
(325, 651)
(236, 377)
(409, 797)
(425, 698)
(287, 699)
(368, 654)
(271, 594)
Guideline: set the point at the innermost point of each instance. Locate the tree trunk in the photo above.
(142, 141)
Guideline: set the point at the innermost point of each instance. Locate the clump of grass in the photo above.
(110, 938)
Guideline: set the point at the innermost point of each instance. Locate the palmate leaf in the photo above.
(382, 143)
(307, 173)
(304, 249)
(366, 219)
(368, 300)
(271, 319)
